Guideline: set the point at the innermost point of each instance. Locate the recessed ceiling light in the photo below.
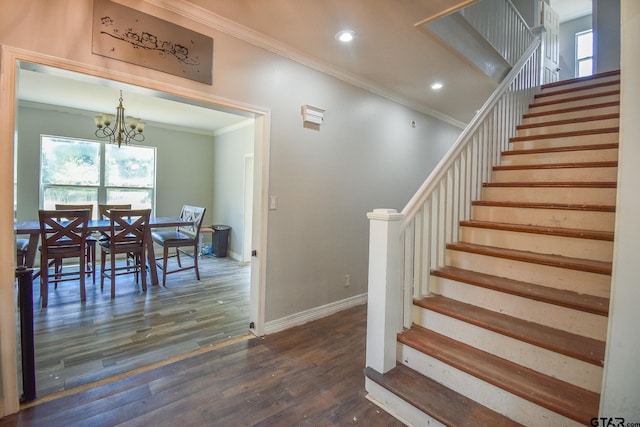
(345, 36)
(437, 86)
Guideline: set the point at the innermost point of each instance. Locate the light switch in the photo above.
(273, 202)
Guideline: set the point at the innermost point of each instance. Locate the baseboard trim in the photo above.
(313, 314)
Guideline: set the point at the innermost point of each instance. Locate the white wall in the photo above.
(621, 388)
(567, 40)
(228, 177)
(606, 27)
(184, 173)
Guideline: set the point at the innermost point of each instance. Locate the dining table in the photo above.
(32, 228)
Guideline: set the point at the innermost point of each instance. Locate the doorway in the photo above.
(11, 62)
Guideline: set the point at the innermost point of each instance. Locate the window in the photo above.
(584, 53)
(74, 171)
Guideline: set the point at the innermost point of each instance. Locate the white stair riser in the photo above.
(573, 104)
(569, 127)
(575, 321)
(598, 174)
(576, 84)
(585, 196)
(576, 372)
(554, 277)
(614, 109)
(562, 218)
(398, 408)
(583, 92)
(606, 155)
(497, 399)
(596, 250)
(566, 141)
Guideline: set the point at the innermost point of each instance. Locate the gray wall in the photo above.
(228, 183)
(567, 42)
(184, 172)
(606, 27)
(366, 155)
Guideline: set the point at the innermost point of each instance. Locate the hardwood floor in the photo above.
(310, 375)
(78, 343)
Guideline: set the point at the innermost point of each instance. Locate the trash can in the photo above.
(220, 240)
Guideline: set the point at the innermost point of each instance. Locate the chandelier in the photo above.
(123, 130)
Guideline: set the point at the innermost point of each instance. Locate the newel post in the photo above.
(384, 309)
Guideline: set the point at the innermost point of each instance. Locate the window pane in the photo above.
(138, 198)
(70, 196)
(70, 162)
(129, 166)
(585, 67)
(585, 45)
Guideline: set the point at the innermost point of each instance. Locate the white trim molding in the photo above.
(313, 314)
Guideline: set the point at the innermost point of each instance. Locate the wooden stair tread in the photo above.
(561, 297)
(562, 149)
(441, 403)
(574, 165)
(582, 119)
(537, 229)
(538, 103)
(575, 207)
(546, 93)
(552, 184)
(565, 134)
(566, 399)
(571, 109)
(599, 267)
(578, 347)
(580, 79)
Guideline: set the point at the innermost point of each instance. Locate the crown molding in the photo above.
(234, 29)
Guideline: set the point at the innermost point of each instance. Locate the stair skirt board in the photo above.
(397, 407)
(494, 398)
(563, 218)
(543, 313)
(597, 250)
(582, 282)
(565, 368)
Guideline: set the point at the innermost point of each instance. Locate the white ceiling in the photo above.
(389, 56)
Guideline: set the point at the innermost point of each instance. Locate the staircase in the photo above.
(514, 329)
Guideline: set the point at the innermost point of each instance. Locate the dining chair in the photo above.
(103, 213)
(60, 239)
(91, 241)
(103, 209)
(127, 235)
(21, 250)
(182, 237)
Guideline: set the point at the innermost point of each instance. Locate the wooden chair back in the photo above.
(65, 207)
(194, 215)
(64, 233)
(103, 209)
(128, 229)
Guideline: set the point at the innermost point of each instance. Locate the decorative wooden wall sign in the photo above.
(128, 35)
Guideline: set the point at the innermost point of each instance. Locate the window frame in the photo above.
(578, 59)
(102, 187)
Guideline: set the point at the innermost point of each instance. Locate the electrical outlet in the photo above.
(347, 280)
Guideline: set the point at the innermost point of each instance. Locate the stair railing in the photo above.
(500, 23)
(404, 247)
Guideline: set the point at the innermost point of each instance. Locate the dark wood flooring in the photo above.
(310, 375)
(79, 343)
